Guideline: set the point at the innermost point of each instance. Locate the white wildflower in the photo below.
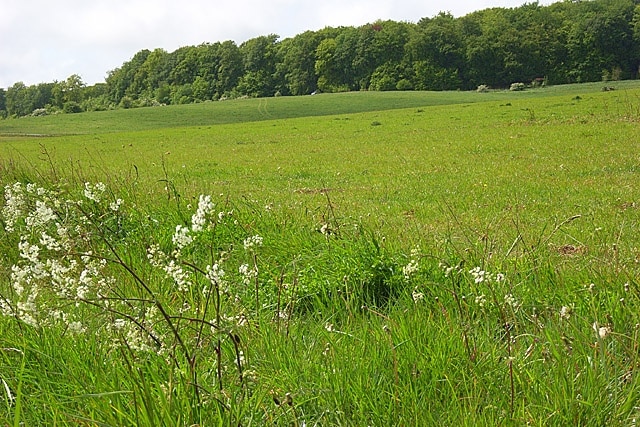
(509, 299)
(76, 327)
(479, 275)
(181, 237)
(409, 269)
(40, 216)
(19, 277)
(417, 296)
(179, 276)
(14, 204)
(248, 273)
(49, 242)
(156, 257)
(215, 273)
(565, 312)
(82, 291)
(199, 219)
(28, 251)
(94, 192)
(253, 241)
(115, 206)
(119, 323)
(601, 331)
(5, 308)
(481, 300)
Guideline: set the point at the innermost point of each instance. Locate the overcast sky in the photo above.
(49, 40)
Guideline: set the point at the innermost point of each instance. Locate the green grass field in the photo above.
(423, 259)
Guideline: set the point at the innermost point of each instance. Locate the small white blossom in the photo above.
(417, 296)
(179, 276)
(248, 273)
(565, 312)
(601, 331)
(115, 206)
(14, 204)
(40, 216)
(481, 300)
(215, 273)
(509, 299)
(76, 327)
(478, 274)
(409, 269)
(253, 241)
(49, 242)
(119, 323)
(181, 237)
(94, 192)
(199, 219)
(28, 251)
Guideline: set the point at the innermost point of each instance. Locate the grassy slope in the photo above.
(249, 110)
(544, 158)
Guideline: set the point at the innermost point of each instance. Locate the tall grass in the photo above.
(461, 265)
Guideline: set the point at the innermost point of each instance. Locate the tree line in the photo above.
(567, 42)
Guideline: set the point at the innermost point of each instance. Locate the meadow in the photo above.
(402, 258)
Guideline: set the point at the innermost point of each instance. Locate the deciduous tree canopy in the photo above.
(566, 42)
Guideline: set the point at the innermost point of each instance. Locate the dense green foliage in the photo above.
(566, 42)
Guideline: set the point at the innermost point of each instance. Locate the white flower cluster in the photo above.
(52, 269)
(205, 208)
(248, 273)
(170, 266)
(409, 269)
(215, 274)
(413, 266)
(94, 192)
(181, 237)
(14, 205)
(450, 269)
(602, 331)
(511, 301)
(480, 276)
(252, 242)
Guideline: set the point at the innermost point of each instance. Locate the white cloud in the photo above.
(43, 41)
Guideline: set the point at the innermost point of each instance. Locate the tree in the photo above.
(259, 59)
(436, 50)
(3, 103)
(296, 62)
(601, 38)
(330, 77)
(230, 68)
(17, 100)
(120, 80)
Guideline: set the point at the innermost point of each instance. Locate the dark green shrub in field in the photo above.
(71, 107)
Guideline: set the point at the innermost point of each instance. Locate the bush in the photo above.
(517, 86)
(71, 107)
(126, 102)
(482, 89)
(404, 84)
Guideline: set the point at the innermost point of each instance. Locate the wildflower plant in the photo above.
(66, 275)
